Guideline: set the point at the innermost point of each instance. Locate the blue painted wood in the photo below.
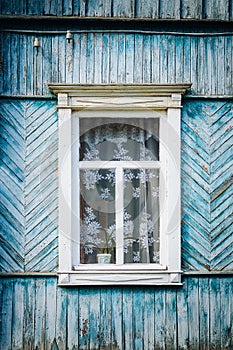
(207, 9)
(117, 58)
(29, 186)
(35, 313)
(207, 160)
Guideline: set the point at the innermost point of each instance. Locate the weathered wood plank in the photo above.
(204, 313)
(6, 310)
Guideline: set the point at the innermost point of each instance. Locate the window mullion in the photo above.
(119, 216)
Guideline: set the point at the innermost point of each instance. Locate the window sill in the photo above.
(117, 275)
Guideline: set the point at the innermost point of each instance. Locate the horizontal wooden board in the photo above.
(197, 9)
(37, 314)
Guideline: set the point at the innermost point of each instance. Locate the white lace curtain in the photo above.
(129, 141)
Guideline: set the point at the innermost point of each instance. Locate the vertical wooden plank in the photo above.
(193, 313)
(61, 319)
(123, 8)
(6, 319)
(129, 58)
(147, 9)
(208, 65)
(55, 59)
(182, 316)
(128, 331)
(170, 9)
(121, 59)
(160, 319)
(98, 47)
(67, 8)
(204, 313)
(14, 64)
(90, 58)
(117, 318)
(105, 329)
(69, 61)
(228, 65)
(215, 314)
(138, 58)
(163, 59)
(76, 53)
(83, 59)
(89, 318)
(179, 59)
(149, 319)
(221, 66)
(113, 71)
(138, 312)
(171, 59)
(201, 67)
(94, 318)
(187, 63)
(99, 8)
(155, 58)
(226, 295)
(146, 59)
(76, 7)
(191, 10)
(40, 307)
(29, 314)
(51, 311)
(30, 63)
(46, 64)
(216, 9)
(171, 320)
(106, 58)
(6, 46)
(61, 59)
(73, 318)
(18, 314)
(193, 63)
(38, 73)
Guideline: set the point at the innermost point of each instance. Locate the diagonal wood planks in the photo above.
(28, 179)
(207, 160)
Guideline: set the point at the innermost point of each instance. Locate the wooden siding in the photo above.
(184, 9)
(207, 186)
(206, 61)
(36, 314)
(29, 185)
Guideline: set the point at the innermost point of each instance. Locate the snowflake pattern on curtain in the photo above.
(120, 142)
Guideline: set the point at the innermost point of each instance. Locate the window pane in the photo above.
(97, 212)
(141, 216)
(107, 139)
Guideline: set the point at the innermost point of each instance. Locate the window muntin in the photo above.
(119, 205)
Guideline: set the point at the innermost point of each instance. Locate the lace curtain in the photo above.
(132, 140)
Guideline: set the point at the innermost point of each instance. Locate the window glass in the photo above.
(132, 139)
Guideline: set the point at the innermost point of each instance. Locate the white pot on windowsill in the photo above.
(104, 258)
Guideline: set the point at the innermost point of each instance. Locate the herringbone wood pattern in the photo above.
(207, 160)
(28, 178)
(29, 204)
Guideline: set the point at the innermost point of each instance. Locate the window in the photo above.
(119, 184)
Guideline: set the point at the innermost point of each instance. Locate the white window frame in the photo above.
(129, 101)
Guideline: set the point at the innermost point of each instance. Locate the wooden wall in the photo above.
(206, 61)
(35, 314)
(28, 170)
(176, 9)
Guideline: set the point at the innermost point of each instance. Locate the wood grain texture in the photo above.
(117, 58)
(28, 186)
(207, 223)
(35, 313)
(198, 9)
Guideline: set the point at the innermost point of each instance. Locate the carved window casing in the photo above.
(119, 184)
